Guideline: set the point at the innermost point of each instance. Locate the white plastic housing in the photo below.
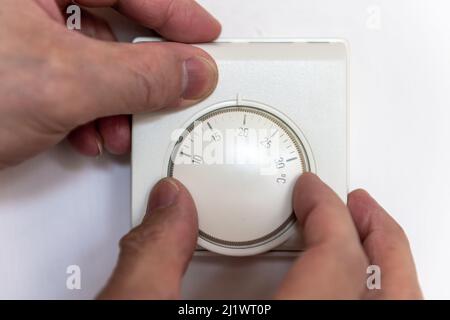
(303, 82)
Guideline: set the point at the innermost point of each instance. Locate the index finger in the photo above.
(176, 20)
(387, 246)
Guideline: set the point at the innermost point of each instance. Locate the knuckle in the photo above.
(145, 83)
(59, 96)
(168, 14)
(143, 236)
(54, 96)
(156, 74)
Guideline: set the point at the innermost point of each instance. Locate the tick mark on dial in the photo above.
(291, 159)
(274, 133)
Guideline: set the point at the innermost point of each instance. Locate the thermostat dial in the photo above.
(240, 163)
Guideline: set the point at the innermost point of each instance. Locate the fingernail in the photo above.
(200, 78)
(163, 195)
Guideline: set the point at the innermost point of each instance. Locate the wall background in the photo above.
(60, 209)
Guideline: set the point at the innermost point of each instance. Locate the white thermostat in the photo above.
(279, 110)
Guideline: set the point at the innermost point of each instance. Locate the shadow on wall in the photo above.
(221, 277)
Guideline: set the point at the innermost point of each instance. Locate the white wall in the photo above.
(60, 209)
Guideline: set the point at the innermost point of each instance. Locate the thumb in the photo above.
(155, 255)
(333, 265)
(118, 78)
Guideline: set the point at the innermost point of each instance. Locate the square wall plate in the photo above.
(280, 109)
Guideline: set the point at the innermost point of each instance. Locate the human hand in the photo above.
(155, 255)
(55, 82)
(340, 243)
